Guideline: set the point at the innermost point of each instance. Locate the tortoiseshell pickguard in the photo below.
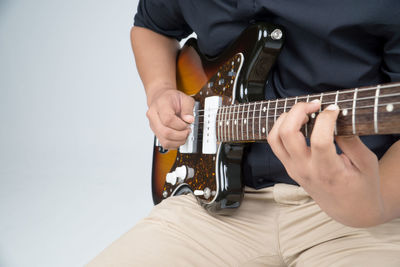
(204, 165)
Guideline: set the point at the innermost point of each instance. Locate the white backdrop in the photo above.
(75, 146)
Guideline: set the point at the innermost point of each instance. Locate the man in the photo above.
(318, 208)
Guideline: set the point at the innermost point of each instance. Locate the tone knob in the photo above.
(171, 178)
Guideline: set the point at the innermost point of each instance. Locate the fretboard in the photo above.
(363, 111)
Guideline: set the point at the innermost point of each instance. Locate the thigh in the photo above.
(376, 246)
(178, 232)
(309, 237)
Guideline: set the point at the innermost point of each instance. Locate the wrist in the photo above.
(155, 90)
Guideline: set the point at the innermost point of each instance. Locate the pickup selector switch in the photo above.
(206, 193)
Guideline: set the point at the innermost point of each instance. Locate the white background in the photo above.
(75, 146)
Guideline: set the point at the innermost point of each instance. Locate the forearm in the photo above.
(155, 57)
(389, 170)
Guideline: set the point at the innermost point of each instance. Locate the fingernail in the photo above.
(332, 107)
(188, 118)
(315, 101)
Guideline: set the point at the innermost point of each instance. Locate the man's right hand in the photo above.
(170, 113)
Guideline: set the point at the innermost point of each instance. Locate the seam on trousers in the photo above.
(278, 236)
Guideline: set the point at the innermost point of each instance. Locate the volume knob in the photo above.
(181, 172)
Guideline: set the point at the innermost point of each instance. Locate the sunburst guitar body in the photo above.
(236, 76)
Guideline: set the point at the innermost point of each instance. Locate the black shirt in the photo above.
(330, 45)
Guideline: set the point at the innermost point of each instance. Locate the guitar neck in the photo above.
(363, 111)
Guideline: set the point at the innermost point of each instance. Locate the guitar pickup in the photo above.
(211, 105)
(191, 142)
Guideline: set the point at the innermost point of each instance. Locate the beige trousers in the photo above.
(275, 226)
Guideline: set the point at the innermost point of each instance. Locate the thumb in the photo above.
(187, 104)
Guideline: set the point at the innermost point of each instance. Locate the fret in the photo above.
(242, 120)
(259, 122)
(218, 124)
(237, 122)
(254, 112)
(336, 101)
(320, 101)
(353, 115)
(266, 120)
(224, 123)
(368, 105)
(232, 122)
(221, 123)
(276, 107)
(228, 122)
(376, 109)
(306, 126)
(247, 122)
(284, 108)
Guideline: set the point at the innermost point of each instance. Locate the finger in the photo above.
(356, 151)
(168, 134)
(171, 120)
(322, 146)
(275, 142)
(290, 131)
(186, 105)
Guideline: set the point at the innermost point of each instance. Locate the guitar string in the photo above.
(251, 104)
(289, 107)
(333, 93)
(270, 122)
(273, 116)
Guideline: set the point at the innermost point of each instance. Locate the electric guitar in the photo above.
(230, 112)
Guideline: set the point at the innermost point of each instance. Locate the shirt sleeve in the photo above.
(162, 16)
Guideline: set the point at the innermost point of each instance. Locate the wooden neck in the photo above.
(363, 111)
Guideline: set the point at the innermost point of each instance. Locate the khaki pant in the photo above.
(276, 226)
